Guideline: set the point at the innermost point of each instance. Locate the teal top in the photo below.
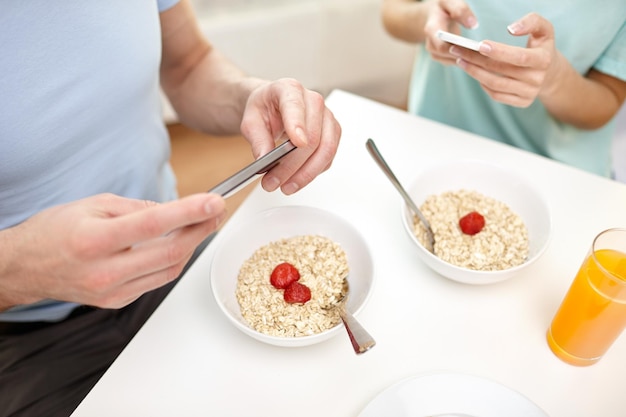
(588, 35)
(80, 110)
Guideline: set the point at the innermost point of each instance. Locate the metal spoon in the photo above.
(360, 339)
(371, 147)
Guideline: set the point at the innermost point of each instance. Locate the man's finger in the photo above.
(129, 229)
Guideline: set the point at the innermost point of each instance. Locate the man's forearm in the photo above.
(6, 254)
(5, 304)
(213, 97)
(208, 92)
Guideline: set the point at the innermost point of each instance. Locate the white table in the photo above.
(188, 360)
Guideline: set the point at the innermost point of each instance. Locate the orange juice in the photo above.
(593, 313)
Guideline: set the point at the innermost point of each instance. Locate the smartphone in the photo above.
(242, 178)
(458, 40)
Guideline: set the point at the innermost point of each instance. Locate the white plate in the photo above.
(427, 395)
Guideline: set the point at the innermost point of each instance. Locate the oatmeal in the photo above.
(322, 264)
(501, 244)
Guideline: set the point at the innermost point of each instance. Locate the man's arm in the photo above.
(207, 91)
(103, 250)
(212, 95)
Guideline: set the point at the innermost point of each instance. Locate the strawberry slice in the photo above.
(297, 293)
(472, 223)
(283, 275)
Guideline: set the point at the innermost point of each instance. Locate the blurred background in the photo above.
(326, 44)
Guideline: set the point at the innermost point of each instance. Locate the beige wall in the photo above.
(326, 44)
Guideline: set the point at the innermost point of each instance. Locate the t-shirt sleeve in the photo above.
(166, 4)
(613, 59)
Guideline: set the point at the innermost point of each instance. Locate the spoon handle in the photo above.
(373, 150)
(361, 340)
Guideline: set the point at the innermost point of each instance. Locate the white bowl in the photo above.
(237, 243)
(492, 181)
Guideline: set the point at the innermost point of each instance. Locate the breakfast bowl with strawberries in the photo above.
(489, 223)
(279, 275)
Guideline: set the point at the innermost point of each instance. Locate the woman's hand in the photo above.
(514, 75)
(511, 75)
(104, 250)
(418, 22)
(519, 76)
(446, 15)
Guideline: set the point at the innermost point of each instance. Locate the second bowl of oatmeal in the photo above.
(253, 266)
(489, 222)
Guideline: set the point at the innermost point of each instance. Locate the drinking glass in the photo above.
(593, 313)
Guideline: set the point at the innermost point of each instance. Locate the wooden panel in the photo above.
(201, 161)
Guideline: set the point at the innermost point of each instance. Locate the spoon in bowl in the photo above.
(360, 339)
(373, 150)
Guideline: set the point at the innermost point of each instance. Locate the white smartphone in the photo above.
(242, 178)
(458, 40)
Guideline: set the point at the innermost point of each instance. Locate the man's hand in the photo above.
(284, 108)
(211, 94)
(104, 250)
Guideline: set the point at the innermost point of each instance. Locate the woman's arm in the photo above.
(517, 76)
(511, 75)
(405, 19)
(418, 22)
(587, 102)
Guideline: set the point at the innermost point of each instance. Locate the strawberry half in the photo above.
(472, 223)
(297, 293)
(283, 275)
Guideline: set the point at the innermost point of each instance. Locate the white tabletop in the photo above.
(188, 360)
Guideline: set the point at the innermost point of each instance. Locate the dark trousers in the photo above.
(47, 369)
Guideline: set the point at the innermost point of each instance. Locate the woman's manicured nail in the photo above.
(471, 22)
(515, 27)
(455, 50)
(484, 47)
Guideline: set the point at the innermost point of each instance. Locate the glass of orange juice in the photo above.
(593, 313)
